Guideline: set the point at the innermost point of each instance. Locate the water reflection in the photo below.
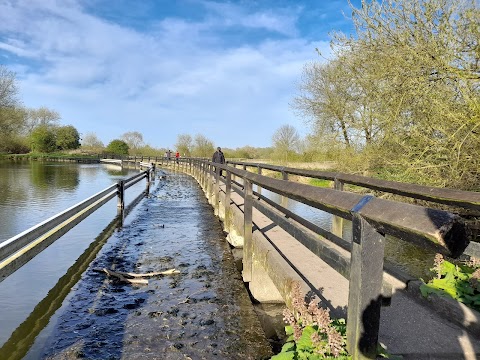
(53, 176)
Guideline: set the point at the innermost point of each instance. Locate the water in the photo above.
(202, 312)
(31, 192)
(409, 258)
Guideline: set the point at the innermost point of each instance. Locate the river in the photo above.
(31, 192)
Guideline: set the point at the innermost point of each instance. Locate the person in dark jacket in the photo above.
(218, 157)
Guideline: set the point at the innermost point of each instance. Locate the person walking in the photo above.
(177, 155)
(219, 158)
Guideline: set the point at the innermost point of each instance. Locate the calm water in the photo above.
(31, 192)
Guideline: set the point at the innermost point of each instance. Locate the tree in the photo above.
(67, 138)
(405, 90)
(184, 144)
(118, 147)
(203, 147)
(91, 141)
(8, 88)
(134, 139)
(12, 115)
(285, 140)
(42, 116)
(42, 139)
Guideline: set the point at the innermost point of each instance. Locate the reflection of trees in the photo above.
(54, 177)
(410, 258)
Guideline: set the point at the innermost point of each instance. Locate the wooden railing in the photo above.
(452, 197)
(372, 218)
(18, 250)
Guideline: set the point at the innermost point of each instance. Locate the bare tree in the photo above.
(8, 88)
(285, 140)
(184, 144)
(91, 141)
(134, 140)
(203, 147)
(42, 116)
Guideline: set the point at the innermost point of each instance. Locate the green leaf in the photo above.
(289, 330)
(305, 341)
(447, 267)
(284, 356)
(289, 346)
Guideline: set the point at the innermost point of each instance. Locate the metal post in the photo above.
(120, 194)
(337, 221)
(365, 288)
(247, 230)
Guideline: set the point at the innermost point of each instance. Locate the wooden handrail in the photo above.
(466, 199)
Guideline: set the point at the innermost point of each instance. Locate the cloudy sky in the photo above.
(225, 69)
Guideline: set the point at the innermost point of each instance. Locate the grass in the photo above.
(321, 183)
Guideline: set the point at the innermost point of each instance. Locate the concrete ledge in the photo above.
(450, 308)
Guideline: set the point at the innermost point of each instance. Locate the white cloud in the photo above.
(177, 79)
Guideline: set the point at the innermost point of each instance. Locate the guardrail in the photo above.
(372, 218)
(18, 250)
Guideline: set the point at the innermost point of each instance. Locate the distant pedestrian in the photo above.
(177, 155)
(169, 155)
(219, 158)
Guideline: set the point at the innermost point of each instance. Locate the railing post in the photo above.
(337, 221)
(204, 172)
(216, 191)
(284, 199)
(247, 230)
(228, 192)
(152, 172)
(147, 177)
(259, 188)
(365, 287)
(120, 194)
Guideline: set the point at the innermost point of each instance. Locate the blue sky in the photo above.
(226, 70)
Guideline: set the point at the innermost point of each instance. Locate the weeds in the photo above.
(312, 334)
(461, 282)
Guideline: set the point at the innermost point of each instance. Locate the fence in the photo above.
(372, 218)
(18, 250)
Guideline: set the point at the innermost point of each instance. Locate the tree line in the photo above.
(25, 129)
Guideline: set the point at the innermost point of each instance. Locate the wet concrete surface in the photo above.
(204, 312)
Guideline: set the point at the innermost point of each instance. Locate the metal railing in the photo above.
(372, 218)
(18, 250)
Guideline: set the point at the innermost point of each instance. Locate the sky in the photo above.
(227, 70)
